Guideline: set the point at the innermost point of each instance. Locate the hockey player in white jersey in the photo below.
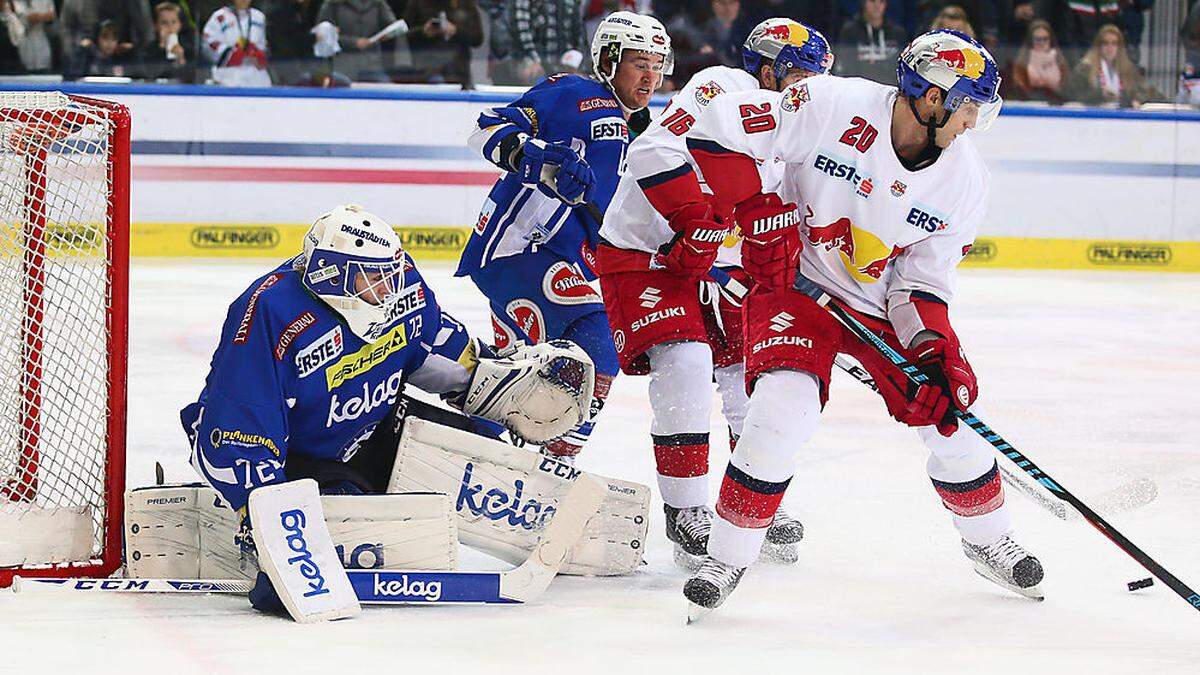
(666, 319)
(881, 198)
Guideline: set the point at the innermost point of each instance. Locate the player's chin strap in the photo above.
(932, 125)
(614, 57)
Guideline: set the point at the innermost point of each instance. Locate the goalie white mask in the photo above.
(354, 262)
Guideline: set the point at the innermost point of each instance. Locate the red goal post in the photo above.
(64, 266)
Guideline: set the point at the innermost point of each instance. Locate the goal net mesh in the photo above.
(55, 259)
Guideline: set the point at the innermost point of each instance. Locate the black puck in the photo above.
(1140, 583)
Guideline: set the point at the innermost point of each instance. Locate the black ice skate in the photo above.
(1006, 564)
(688, 529)
(783, 535)
(709, 586)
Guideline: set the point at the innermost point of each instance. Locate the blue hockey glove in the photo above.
(556, 170)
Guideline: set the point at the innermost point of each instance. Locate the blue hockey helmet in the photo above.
(958, 65)
(786, 44)
(354, 262)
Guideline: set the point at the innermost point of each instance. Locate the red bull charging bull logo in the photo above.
(789, 33)
(864, 256)
(964, 61)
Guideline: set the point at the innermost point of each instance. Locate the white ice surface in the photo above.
(1092, 374)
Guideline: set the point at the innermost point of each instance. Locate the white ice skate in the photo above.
(1007, 564)
(709, 586)
(783, 536)
(688, 529)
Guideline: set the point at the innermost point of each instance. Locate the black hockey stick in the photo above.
(863, 333)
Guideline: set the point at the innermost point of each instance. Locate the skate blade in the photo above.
(696, 612)
(686, 560)
(1033, 592)
(779, 554)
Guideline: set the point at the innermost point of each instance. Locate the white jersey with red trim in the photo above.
(660, 151)
(874, 232)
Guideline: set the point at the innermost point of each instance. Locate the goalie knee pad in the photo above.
(504, 496)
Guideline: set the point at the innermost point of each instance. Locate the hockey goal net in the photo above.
(64, 260)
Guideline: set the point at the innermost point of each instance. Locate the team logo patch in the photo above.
(319, 352)
(504, 336)
(351, 366)
(243, 331)
(707, 92)
(898, 189)
(781, 322)
(528, 318)
(964, 396)
(619, 340)
(293, 331)
(597, 103)
(795, 97)
(485, 216)
(610, 129)
(650, 297)
(564, 285)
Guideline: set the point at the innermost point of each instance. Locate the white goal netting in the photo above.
(57, 210)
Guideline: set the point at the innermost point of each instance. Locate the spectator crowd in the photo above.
(1055, 51)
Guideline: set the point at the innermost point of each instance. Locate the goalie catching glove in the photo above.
(539, 392)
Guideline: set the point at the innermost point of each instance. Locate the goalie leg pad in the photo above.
(186, 532)
(504, 496)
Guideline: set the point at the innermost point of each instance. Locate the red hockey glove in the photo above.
(770, 239)
(953, 385)
(698, 238)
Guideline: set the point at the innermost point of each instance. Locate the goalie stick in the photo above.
(863, 333)
(522, 584)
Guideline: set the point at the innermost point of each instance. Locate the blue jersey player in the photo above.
(563, 145)
(315, 354)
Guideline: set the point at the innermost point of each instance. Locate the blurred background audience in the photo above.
(1114, 53)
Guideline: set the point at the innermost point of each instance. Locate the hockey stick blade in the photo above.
(403, 587)
(977, 425)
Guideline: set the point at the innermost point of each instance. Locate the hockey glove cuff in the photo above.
(698, 238)
(770, 239)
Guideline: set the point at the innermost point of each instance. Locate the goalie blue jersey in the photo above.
(569, 110)
(289, 377)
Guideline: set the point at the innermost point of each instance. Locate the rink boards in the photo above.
(240, 173)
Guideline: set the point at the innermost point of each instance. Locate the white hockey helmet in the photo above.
(624, 30)
(353, 260)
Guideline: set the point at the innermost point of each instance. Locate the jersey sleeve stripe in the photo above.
(659, 178)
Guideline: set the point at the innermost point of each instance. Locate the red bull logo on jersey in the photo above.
(790, 33)
(863, 254)
(795, 97)
(965, 61)
(707, 92)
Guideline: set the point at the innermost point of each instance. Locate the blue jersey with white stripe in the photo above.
(569, 110)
